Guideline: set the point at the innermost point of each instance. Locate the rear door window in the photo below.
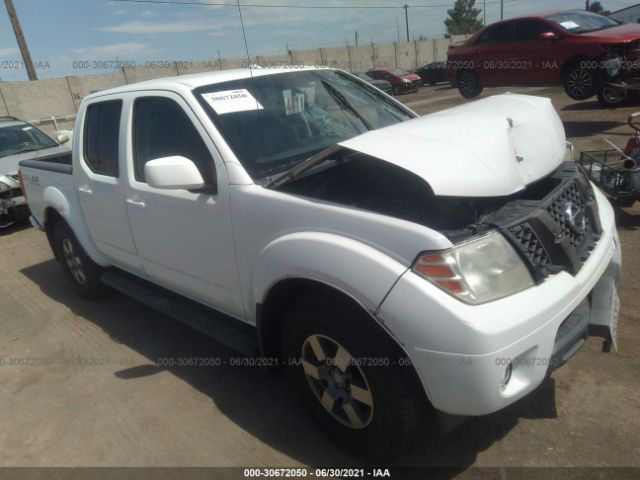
(530, 30)
(500, 33)
(101, 137)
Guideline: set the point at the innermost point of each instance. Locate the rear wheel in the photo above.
(579, 82)
(468, 83)
(351, 376)
(611, 97)
(83, 272)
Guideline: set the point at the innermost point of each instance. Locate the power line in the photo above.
(319, 7)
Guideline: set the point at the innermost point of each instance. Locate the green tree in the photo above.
(463, 18)
(596, 7)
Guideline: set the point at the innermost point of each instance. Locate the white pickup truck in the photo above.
(395, 264)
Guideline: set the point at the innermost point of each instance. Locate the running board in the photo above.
(220, 327)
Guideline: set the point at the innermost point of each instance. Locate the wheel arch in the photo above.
(58, 208)
(269, 316)
(572, 61)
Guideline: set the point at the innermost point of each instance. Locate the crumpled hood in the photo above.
(490, 147)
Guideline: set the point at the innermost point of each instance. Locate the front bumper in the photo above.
(462, 352)
(12, 210)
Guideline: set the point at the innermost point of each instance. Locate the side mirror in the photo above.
(62, 138)
(173, 173)
(548, 36)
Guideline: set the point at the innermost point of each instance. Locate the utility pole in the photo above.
(501, 9)
(406, 19)
(356, 38)
(484, 12)
(22, 43)
(587, 5)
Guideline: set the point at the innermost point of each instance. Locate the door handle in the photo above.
(85, 189)
(137, 203)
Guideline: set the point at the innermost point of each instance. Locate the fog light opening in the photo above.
(507, 376)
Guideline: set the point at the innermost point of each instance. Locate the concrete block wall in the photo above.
(60, 97)
(362, 57)
(80, 87)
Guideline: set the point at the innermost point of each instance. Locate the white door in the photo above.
(184, 239)
(101, 180)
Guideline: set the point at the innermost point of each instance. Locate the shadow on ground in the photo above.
(625, 219)
(592, 105)
(583, 128)
(242, 393)
(14, 227)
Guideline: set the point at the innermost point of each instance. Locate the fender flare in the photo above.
(53, 198)
(352, 267)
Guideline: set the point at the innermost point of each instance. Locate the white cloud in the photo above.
(112, 49)
(138, 27)
(147, 13)
(6, 52)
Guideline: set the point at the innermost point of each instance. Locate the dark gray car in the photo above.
(381, 84)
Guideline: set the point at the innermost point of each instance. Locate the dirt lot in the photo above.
(80, 385)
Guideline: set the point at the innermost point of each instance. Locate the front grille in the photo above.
(554, 223)
(570, 194)
(531, 244)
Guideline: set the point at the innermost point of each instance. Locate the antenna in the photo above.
(244, 35)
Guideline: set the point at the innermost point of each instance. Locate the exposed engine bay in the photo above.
(553, 222)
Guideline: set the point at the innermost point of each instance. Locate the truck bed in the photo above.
(49, 173)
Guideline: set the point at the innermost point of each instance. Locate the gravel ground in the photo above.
(84, 388)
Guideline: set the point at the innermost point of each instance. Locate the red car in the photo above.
(402, 81)
(587, 53)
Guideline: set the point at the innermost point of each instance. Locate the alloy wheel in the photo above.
(337, 381)
(613, 95)
(579, 82)
(73, 261)
(467, 83)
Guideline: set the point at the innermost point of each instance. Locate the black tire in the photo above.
(395, 90)
(468, 83)
(82, 272)
(386, 419)
(612, 97)
(580, 83)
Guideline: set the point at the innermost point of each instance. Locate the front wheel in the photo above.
(611, 97)
(580, 83)
(352, 379)
(468, 83)
(83, 272)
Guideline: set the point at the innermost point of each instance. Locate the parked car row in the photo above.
(587, 53)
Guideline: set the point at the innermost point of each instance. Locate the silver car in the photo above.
(21, 140)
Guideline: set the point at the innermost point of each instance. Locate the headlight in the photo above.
(4, 187)
(478, 271)
(406, 80)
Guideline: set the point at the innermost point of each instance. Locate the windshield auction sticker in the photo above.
(231, 101)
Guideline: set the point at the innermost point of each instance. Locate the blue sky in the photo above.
(63, 33)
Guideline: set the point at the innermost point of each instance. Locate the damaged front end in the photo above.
(13, 206)
(621, 66)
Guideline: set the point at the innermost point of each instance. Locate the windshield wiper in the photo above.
(308, 164)
(343, 102)
(32, 148)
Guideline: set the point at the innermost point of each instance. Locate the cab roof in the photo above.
(196, 80)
